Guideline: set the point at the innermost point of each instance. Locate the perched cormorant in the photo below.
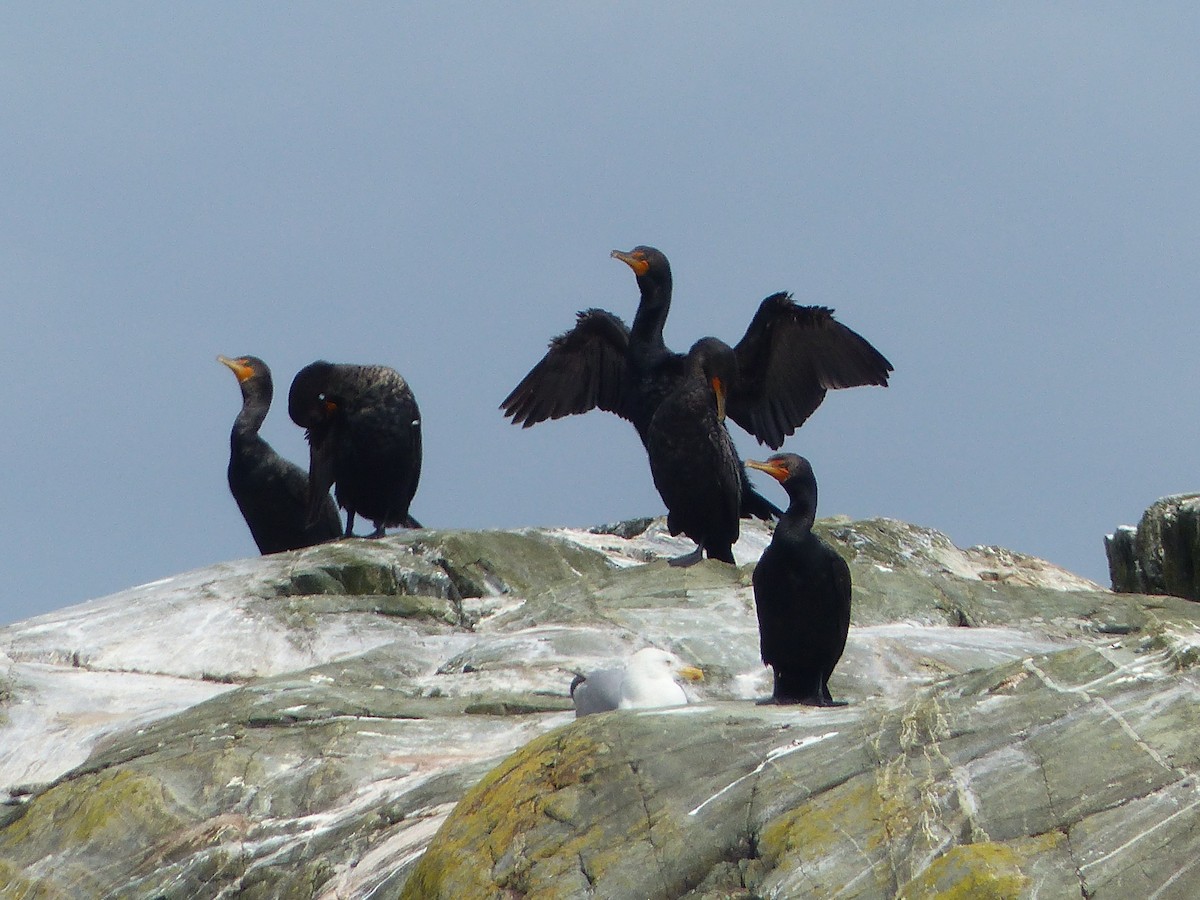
(646, 680)
(801, 593)
(692, 457)
(788, 358)
(271, 492)
(364, 435)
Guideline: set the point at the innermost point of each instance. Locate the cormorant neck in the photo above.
(802, 510)
(255, 403)
(652, 310)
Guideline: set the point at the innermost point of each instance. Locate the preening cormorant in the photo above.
(646, 680)
(692, 457)
(788, 358)
(271, 492)
(364, 435)
(801, 593)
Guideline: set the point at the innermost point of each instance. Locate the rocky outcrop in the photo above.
(387, 718)
(1043, 777)
(1162, 554)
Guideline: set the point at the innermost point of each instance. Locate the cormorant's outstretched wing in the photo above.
(583, 369)
(789, 357)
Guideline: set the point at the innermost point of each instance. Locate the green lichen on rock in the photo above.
(817, 829)
(986, 871)
(82, 825)
(479, 849)
(98, 809)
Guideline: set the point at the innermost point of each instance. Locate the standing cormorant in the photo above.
(788, 358)
(692, 457)
(801, 593)
(364, 435)
(271, 492)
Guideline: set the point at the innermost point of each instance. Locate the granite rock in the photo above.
(391, 718)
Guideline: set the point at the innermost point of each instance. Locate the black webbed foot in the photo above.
(688, 559)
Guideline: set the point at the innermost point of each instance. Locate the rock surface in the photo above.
(390, 718)
(1162, 554)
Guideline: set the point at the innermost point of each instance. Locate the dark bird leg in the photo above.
(688, 559)
(723, 552)
(378, 532)
(803, 687)
(349, 523)
(827, 698)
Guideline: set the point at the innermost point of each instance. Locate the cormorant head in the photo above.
(251, 372)
(797, 478)
(649, 265)
(716, 362)
(309, 401)
(792, 472)
(785, 467)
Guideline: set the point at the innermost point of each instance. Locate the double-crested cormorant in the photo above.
(271, 492)
(364, 435)
(692, 457)
(645, 681)
(788, 358)
(801, 593)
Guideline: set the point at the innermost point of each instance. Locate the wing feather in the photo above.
(583, 369)
(789, 357)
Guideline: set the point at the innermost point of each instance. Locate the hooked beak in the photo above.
(638, 263)
(241, 371)
(776, 471)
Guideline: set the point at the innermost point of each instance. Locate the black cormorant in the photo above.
(271, 492)
(364, 435)
(692, 457)
(801, 593)
(788, 358)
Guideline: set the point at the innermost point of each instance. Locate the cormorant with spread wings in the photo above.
(787, 360)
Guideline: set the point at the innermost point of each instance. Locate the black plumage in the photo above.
(787, 360)
(801, 593)
(364, 435)
(692, 457)
(271, 492)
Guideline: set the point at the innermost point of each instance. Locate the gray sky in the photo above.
(1002, 198)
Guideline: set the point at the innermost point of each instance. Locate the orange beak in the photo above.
(776, 471)
(718, 387)
(241, 371)
(637, 262)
